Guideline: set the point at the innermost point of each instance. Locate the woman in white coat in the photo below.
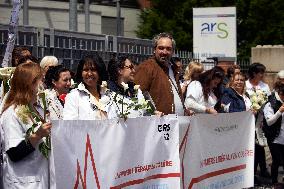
(203, 94)
(58, 82)
(84, 102)
(123, 89)
(24, 167)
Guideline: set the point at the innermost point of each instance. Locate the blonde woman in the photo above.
(192, 72)
(234, 98)
(24, 165)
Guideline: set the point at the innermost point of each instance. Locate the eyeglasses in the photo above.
(131, 67)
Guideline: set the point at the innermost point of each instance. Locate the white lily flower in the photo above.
(136, 87)
(125, 86)
(104, 84)
(40, 89)
(72, 84)
(103, 87)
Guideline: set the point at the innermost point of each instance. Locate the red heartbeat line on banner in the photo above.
(79, 173)
(215, 173)
(152, 177)
(184, 139)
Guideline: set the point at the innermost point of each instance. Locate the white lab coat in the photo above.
(80, 104)
(195, 98)
(28, 173)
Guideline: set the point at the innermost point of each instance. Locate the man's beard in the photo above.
(163, 60)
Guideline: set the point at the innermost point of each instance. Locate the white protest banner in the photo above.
(139, 153)
(218, 151)
(214, 32)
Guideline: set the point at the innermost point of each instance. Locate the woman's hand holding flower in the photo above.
(43, 131)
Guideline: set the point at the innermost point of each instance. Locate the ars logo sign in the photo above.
(219, 29)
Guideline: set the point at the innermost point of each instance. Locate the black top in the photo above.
(21, 151)
(130, 92)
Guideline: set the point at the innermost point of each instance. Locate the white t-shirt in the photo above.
(177, 101)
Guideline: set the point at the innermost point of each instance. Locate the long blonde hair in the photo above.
(192, 67)
(22, 84)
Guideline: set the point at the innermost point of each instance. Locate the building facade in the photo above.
(55, 14)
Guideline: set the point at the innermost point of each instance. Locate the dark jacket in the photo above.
(272, 131)
(237, 103)
(130, 92)
(154, 78)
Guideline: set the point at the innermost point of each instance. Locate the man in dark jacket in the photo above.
(160, 77)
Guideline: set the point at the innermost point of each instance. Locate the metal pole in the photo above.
(87, 16)
(26, 12)
(73, 22)
(118, 18)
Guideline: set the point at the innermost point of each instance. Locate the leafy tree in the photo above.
(258, 21)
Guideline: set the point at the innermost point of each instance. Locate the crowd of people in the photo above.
(156, 87)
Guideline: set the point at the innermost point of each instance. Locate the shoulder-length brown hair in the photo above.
(22, 84)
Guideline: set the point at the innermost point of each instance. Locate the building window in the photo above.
(109, 25)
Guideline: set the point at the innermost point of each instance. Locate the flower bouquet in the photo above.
(258, 99)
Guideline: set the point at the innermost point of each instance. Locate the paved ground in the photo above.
(265, 183)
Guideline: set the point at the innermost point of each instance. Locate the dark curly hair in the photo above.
(53, 74)
(114, 65)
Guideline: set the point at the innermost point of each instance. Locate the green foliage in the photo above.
(259, 22)
(45, 146)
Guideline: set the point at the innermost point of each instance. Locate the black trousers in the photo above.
(277, 153)
(259, 159)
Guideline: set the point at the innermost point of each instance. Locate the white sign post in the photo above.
(214, 32)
